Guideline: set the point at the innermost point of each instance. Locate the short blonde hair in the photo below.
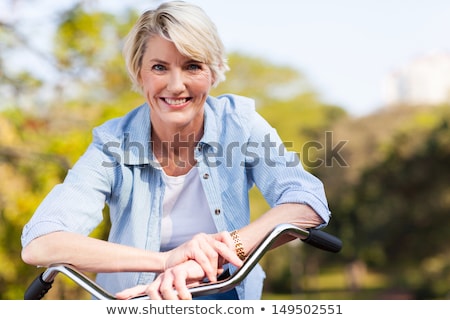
(188, 27)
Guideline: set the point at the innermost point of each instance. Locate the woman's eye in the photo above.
(158, 67)
(194, 67)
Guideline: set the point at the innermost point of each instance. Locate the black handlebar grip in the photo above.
(37, 289)
(323, 240)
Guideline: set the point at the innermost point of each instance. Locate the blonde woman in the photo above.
(175, 173)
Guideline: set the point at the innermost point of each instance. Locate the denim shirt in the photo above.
(238, 150)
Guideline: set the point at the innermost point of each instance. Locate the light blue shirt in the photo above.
(239, 149)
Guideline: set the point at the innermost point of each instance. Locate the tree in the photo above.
(391, 204)
(402, 209)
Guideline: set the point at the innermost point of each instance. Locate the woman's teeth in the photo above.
(176, 101)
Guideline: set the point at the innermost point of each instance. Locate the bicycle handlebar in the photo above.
(317, 238)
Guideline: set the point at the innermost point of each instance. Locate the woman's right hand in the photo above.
(172, 284)
(210, 251)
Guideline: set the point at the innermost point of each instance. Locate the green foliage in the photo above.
(394, 212)
(262, 80)
(81, 37)
(413, 216)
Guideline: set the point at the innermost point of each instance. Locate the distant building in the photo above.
(424, 81)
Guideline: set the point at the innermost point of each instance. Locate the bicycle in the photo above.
(317, 238)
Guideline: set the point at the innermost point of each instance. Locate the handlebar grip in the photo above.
(37, 289)
(323, 240)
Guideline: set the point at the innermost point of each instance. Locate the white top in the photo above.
(185, 210)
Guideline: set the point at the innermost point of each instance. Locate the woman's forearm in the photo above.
(299, 215)
(89, 254)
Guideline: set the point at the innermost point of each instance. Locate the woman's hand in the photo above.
(201, 257)
(209, 251)
(173, 284)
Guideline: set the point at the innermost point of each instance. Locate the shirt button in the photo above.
(206, 176)
(217, 212)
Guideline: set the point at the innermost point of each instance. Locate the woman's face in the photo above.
(175, 86)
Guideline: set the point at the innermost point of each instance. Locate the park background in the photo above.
(384, 162)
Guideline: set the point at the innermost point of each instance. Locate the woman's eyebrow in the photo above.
(157, 60)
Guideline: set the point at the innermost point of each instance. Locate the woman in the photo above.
(175, 173)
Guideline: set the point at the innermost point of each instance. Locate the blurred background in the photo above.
(360, 90)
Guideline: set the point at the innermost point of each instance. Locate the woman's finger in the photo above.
(189, 273)
(204, 252)
(153, 289)
(166, 288)
(131, 292)
(229, 255)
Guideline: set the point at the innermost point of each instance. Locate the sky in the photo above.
(344, 48)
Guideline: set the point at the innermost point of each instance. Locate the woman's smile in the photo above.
(176, 103)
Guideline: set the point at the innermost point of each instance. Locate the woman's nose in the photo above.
(176, 82)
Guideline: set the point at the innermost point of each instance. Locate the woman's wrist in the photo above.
(162, 259)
